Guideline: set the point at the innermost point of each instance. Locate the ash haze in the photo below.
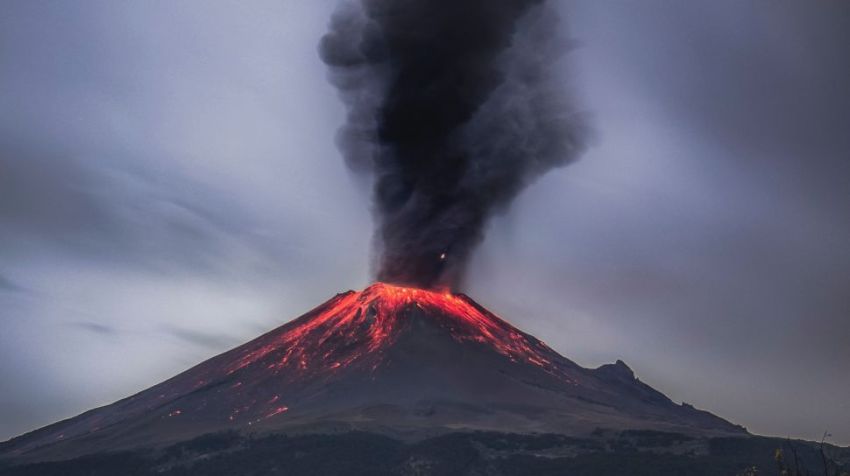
(170, 187)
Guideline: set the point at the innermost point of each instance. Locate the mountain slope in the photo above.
(389, 359)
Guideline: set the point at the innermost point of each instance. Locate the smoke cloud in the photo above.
(453, 109)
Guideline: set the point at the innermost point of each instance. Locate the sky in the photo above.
(170, 188)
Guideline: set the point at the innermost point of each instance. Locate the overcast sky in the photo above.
(169, 188)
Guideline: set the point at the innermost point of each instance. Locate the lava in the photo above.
(357, 325)
(277, 411)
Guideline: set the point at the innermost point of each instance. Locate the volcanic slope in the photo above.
(390, 359)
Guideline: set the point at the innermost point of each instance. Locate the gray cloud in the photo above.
(6, 284)
(113, 213)
(203, 339)
(94, 327)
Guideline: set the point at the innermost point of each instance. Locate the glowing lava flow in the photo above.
(356, 325)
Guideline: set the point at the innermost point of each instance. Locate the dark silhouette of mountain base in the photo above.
(405, 363)
(629, 452)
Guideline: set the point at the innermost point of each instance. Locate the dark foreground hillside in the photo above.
(357, 453)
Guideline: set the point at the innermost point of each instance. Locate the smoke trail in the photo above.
(452, 108)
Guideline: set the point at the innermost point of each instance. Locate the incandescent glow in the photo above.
(373, 318)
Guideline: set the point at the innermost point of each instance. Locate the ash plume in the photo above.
(453, 109)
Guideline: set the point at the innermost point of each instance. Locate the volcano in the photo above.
(388, 359)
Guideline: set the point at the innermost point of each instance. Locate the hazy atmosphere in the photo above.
(170, 187)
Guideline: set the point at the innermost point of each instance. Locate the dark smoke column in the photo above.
(452, 108)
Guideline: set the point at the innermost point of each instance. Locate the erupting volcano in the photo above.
(389, 359)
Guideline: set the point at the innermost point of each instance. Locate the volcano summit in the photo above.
(390, 360)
